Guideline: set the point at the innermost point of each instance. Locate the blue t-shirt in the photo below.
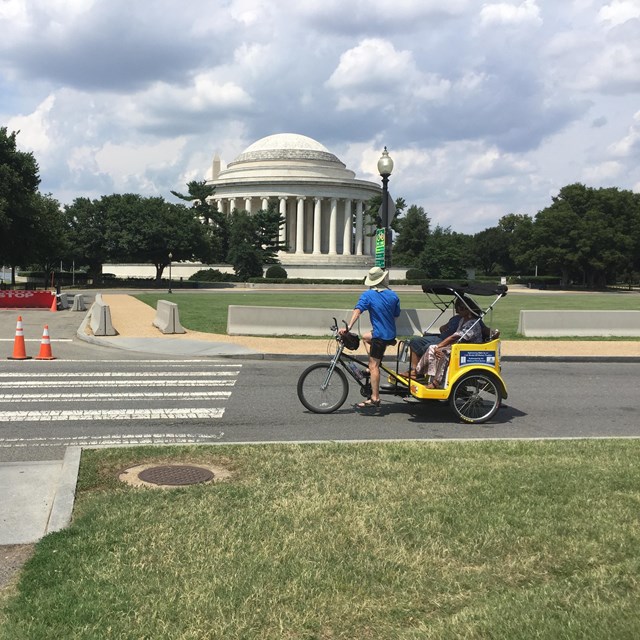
(384, 307)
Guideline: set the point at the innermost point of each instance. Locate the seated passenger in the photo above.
(434, 362)
(420, 344)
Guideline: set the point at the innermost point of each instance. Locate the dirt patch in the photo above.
(12, 559)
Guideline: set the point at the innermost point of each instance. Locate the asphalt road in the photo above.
(48, 405)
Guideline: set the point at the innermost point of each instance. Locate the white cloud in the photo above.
(504, 13)
(619, 11)
(373, 61)
(34, 128)
(629, 146)
(602, 174)
(484, 110)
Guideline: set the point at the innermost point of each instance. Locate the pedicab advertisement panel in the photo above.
(475, 357)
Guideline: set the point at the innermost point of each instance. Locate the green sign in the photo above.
(380, 241)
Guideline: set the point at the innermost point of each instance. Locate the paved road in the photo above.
(46, 406)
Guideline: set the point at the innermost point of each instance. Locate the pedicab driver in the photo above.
(383, 306)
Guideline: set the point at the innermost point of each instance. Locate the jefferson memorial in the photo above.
(321, 200)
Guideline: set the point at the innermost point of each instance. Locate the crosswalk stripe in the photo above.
(111, 414)
(106, 397)
(155, 382)
(116, 374)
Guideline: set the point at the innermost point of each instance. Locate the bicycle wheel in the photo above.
(310, 391)
(476, 397)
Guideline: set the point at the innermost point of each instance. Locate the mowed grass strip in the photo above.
(207, 312)
(512, 540)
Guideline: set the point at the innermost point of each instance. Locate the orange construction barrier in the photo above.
(45, 346)
(54, 304)
(19, 351)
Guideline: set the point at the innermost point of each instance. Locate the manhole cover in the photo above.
(175, 475)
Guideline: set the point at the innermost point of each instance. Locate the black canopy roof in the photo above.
(463, 288)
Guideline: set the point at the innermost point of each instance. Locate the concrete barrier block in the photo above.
(100, 323)
(556, 324)
(78, 303)
(167, 318)
(274, 321)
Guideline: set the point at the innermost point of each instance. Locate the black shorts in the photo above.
(378, 347)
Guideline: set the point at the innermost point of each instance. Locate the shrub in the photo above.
(416, 274)
(212, 275)
(276, 271)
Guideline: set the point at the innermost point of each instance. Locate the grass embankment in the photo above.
(208, 312)
(479, 540)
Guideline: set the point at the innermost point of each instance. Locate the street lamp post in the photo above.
(170, 258)
(385, 167)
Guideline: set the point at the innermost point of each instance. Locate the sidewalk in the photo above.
(38, 496)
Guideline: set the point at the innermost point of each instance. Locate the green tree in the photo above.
(143, 229)
(132, 228)
(267, 223)
(413, 232)
(19, 180)
(245, 255)
(446, 254)
(200, 195)
(587, 235)
(50, 236)
(88, 235)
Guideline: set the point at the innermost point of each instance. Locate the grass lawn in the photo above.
(207, 312)
(512, 540)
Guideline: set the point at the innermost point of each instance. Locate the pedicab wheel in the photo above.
(317, 399)
(476, 397)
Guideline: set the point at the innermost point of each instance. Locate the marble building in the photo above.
(322, 201)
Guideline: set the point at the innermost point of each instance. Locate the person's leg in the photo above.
(431, 360)
(418, 347)
(375, 357)
(374, 370)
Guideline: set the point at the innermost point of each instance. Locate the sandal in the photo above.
(432, 385)
(367, 404)
(409, 374)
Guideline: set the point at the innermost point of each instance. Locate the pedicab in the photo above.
(473, 384)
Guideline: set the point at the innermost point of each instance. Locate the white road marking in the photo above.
(38, 339)
(110, 414)
(106, 397)
(115, 374)
(26, 384)
(177, 363)
(111, 440)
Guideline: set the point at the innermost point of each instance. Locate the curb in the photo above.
(62, 507)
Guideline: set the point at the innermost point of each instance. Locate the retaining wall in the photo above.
(550, 324)
(274, 321)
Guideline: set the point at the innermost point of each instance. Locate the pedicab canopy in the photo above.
(465, 288)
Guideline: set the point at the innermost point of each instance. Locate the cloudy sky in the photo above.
(486, 108)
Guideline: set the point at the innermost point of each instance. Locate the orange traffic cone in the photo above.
(45, 346)
(54, 304)
(19, 352)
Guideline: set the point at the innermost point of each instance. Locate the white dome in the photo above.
(286, 141)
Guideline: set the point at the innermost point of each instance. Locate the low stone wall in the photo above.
(291, 321)
(550, 324)
(167, 318)
(100, 322)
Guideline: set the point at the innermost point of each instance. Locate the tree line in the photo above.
(586, 236)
